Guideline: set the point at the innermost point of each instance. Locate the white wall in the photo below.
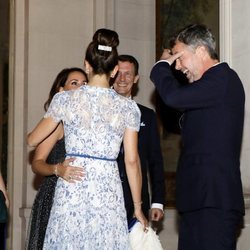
(47, 36)
(240, 62)
(135, 23)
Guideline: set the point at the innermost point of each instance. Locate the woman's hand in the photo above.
(140, 217)
(70, 173)
(7, 201)
(4, 190)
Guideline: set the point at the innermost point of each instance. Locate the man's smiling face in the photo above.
(125, 79)
(190, 62)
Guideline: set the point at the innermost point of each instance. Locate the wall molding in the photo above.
(225, 27)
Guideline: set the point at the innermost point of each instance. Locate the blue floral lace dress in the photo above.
(90, 214)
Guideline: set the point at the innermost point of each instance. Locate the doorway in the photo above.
(171, 16)
(4, 85)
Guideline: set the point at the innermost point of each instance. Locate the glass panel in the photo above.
(4, 68)
(170, 17)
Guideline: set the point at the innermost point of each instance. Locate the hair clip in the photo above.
(105, 48)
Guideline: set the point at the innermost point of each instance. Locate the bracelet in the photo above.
(56, 169)
(137, 203)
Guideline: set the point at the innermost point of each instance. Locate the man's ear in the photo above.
(201, 51)
(136, 78)
(114, 71)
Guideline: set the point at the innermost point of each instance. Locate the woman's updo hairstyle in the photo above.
(102, 53)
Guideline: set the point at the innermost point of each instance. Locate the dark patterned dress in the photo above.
(40, 212)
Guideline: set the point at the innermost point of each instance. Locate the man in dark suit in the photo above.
(209, 188)
(149, 147)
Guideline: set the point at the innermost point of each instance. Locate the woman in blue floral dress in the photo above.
(90, 214)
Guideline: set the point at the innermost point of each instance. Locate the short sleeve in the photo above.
(56, 108)
(133, 116)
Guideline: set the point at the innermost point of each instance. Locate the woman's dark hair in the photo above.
(102, 53)
(60, 81)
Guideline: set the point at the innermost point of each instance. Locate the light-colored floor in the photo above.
(169, 235)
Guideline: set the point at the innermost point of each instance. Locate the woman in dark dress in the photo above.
(49, 161)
